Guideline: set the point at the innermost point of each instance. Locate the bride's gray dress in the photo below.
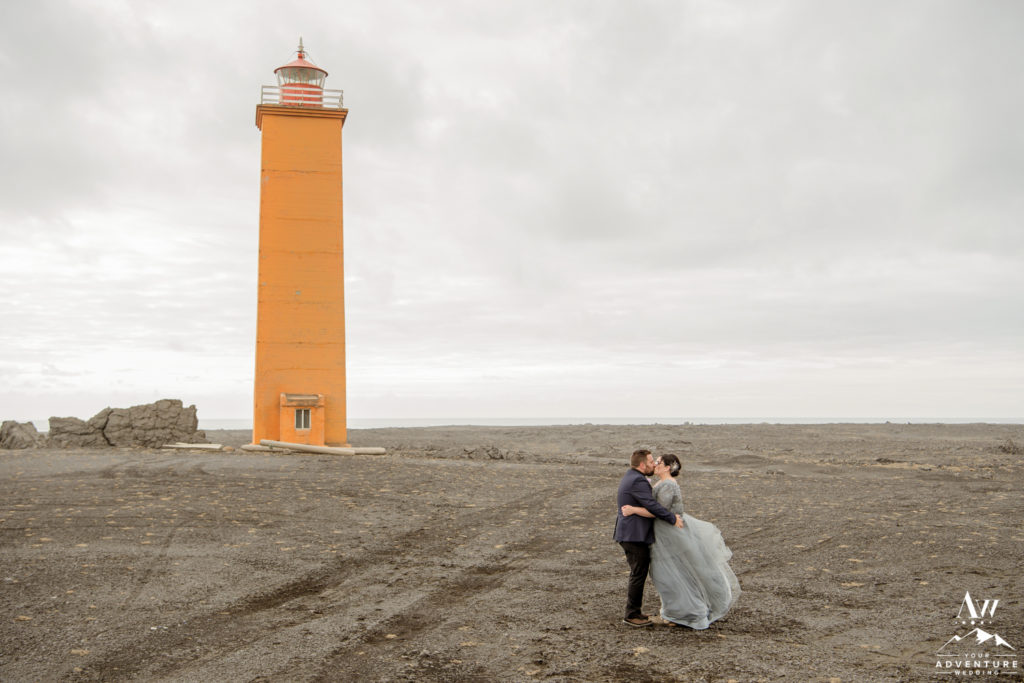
(690, 566)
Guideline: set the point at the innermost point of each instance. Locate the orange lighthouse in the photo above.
(299, 393)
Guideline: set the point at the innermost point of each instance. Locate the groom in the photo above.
(636, 533)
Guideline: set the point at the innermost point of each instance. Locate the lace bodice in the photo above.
(668, 494)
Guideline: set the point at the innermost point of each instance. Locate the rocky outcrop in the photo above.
(152, 424)
(71, 432)
(19, 435)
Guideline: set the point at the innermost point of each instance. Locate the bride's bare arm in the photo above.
(628, 510)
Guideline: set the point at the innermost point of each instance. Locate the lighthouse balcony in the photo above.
(299, 95)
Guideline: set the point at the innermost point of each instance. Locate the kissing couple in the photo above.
(685, 556)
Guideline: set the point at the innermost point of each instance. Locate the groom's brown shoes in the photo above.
(637, 621)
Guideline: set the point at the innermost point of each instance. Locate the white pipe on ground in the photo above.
(329, 450)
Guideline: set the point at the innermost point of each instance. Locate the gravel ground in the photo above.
(485, 554)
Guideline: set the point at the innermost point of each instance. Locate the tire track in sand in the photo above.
(186, 647)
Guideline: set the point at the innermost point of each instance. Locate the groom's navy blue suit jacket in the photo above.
(634, 489)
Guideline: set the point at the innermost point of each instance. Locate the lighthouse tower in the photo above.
(299, 393)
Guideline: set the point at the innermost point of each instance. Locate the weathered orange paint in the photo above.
(314, 403)
(300, 323)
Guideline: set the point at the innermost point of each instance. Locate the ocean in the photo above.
(383, 422)
(43, 424)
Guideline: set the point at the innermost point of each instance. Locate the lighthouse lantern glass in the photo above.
(300, 75)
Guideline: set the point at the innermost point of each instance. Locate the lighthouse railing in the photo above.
(297, 95)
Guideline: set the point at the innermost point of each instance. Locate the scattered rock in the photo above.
(491, 453)
(19, 435)
(1011, 448)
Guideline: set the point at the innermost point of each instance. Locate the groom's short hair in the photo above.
(639, 456)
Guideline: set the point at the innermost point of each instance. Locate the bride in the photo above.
(689, 566)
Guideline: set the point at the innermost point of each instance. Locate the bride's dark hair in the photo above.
(673, 464)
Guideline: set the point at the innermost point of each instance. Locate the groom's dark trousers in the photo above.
(638, 555)
(635, 534)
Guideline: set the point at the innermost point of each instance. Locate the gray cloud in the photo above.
(564, 208)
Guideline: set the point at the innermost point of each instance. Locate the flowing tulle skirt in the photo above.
(690, 569)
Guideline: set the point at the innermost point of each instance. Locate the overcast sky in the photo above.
(592, 208)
